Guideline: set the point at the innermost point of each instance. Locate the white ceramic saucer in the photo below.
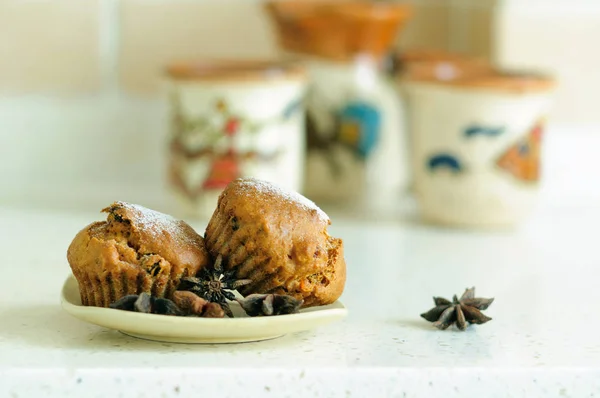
(176, 329)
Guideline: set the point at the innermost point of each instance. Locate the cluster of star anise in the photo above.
(207, 295)
(216, 286)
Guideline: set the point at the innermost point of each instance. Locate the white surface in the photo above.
(175, 329)
(542, 340)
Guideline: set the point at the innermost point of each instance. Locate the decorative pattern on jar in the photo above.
(353, 127)
(234, 121)
(477, 146)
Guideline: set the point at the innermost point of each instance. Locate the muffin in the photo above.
(277, 239)
(136, 250)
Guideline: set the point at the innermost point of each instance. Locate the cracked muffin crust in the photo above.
(279, 240)
(135, 250)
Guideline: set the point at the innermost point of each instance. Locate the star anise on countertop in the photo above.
(214, 285)
(269, 304)
(460, 311)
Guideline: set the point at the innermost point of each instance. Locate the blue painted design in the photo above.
(293, 107)
(475, 130)
(444, 161)
(359, 125)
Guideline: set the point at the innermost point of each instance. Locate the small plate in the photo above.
(241, 328)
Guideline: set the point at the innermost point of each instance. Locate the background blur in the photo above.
(83, 118)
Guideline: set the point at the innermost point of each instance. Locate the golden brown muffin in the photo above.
(278, 240)
(136, 250)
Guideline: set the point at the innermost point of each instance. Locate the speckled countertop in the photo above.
(542, 342)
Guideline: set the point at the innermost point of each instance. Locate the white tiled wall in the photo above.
(470, 26)
(154, 33)
(49, 46)
(67, 152)
(561, 37)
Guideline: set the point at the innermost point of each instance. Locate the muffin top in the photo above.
(154, 232)
(146, 232)
(259, 199)
(279, 240)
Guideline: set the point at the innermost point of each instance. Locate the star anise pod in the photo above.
(214, 285)
(460, 311)
(147, 304)
(269, 304)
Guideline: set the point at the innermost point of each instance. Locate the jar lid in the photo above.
(465, 75)
(417, 62)
(236, 70)
(337, 30)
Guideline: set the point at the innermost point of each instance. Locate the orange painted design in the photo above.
(223, 170)
(218, 149)
(522, 159)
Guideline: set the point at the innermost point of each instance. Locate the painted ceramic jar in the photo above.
(234, 119)
(355, 125)
(355, 150)
(410, 63)
(477, 145)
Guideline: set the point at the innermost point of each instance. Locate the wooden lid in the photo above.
(236, 70)
(337, 30)
(421, 61)
(479, 76)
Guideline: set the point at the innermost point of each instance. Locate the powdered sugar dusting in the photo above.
(154, 222)
(289, 196)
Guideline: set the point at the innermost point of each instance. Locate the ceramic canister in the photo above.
(355, 127)
(443, 63)
(355, 151)
(477, 144)
(234, 119)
